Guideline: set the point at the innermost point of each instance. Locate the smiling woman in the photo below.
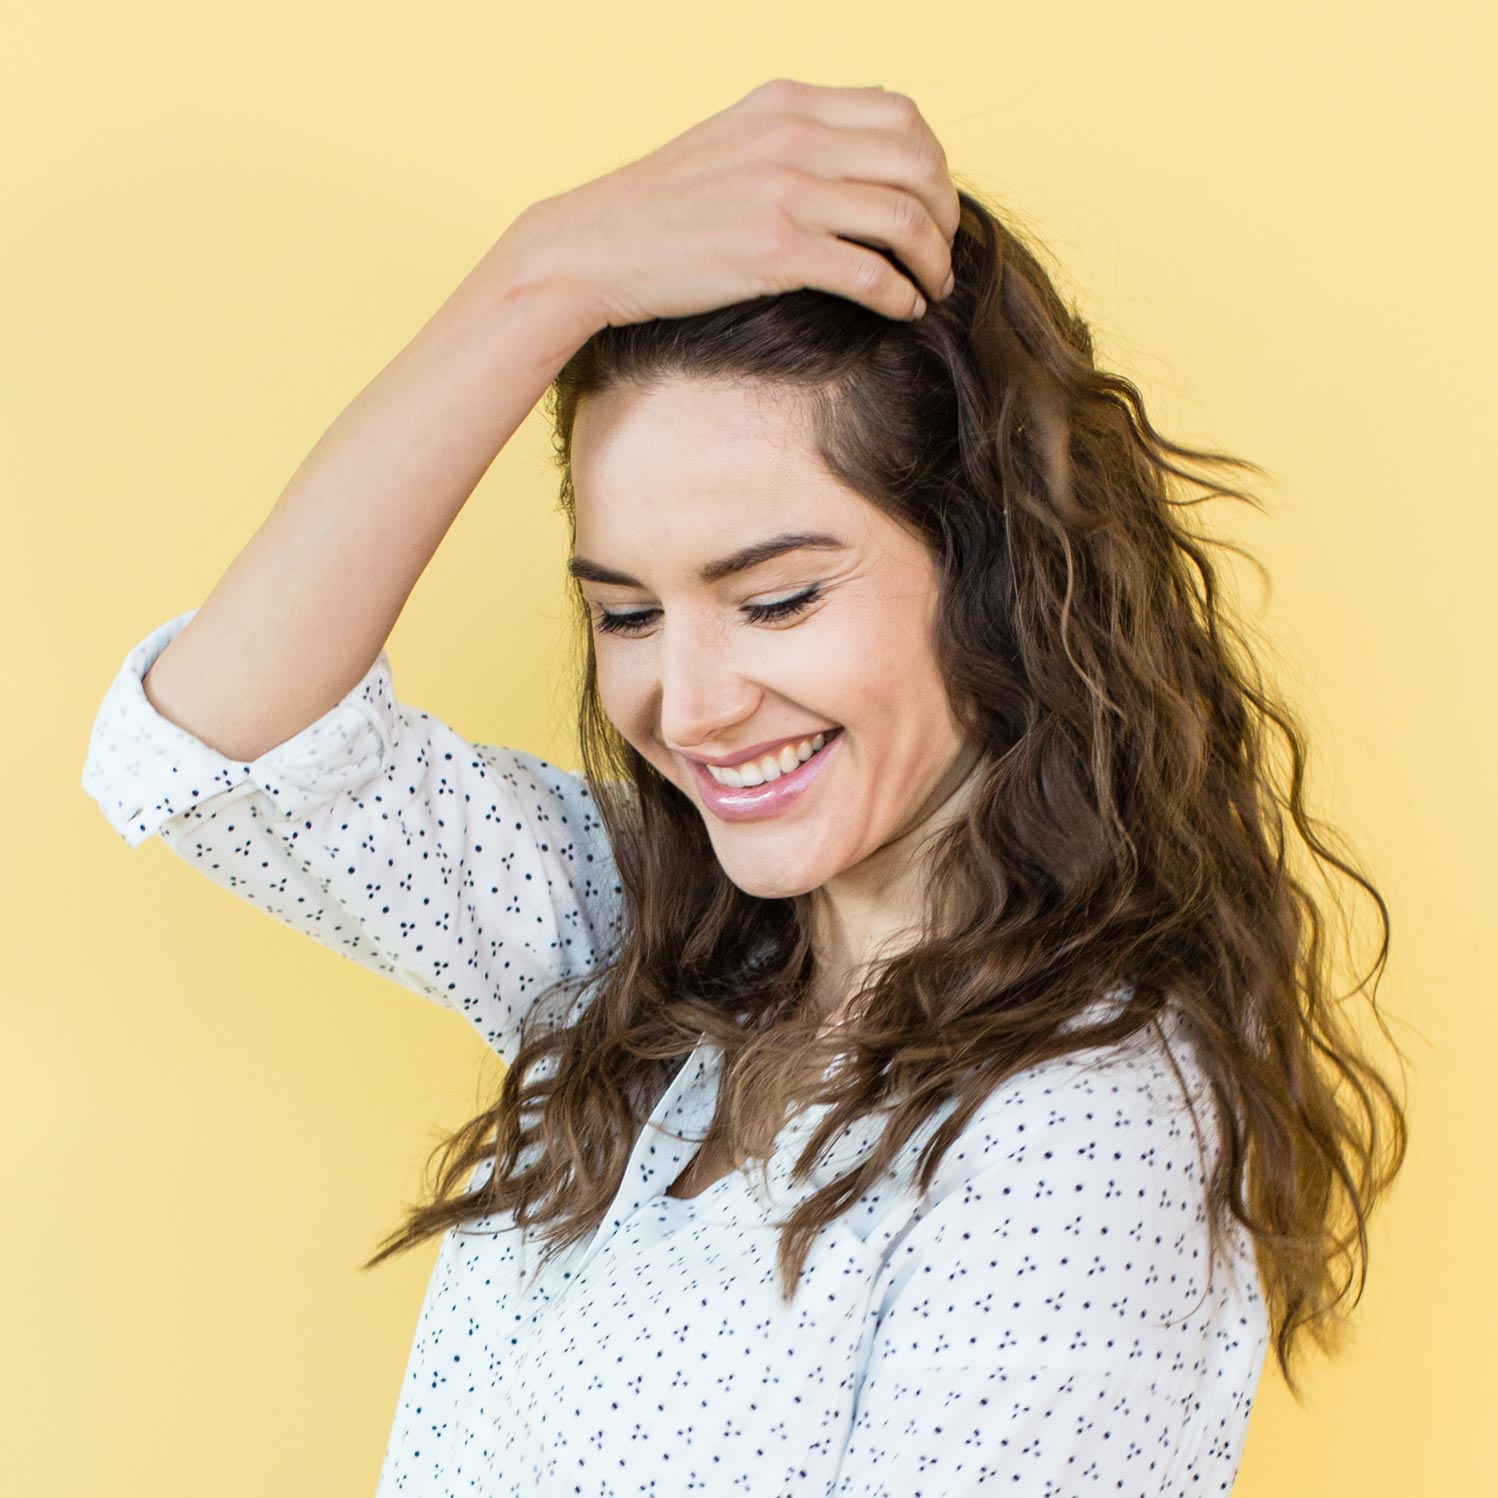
(927, 1072)
(665, 479)
(1047, 833)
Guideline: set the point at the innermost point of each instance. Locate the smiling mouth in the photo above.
(768, 768)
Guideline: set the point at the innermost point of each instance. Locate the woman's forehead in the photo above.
(708, 442)
(650, 497)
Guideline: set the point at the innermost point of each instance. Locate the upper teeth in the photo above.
(768, 766)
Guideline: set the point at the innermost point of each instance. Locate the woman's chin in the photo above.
(773, 882)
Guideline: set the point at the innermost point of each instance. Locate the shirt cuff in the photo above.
(143, 770)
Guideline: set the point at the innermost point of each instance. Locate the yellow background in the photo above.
(222, 223)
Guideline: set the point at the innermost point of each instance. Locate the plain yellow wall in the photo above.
(223, 222)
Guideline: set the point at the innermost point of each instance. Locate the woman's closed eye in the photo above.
(759, 613)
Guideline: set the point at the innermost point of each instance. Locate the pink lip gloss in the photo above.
(751, 802)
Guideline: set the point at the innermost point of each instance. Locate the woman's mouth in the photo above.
(765, 787)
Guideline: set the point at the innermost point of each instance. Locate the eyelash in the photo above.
(759, 613)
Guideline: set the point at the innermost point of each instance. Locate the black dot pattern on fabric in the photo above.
(1044, 1321)
(472, 875)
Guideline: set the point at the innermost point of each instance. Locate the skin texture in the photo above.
(683, 472)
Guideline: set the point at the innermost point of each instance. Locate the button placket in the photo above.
(659, 1153)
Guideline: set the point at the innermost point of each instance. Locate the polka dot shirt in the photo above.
(1043, 1321)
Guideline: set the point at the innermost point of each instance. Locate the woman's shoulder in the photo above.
(1067, 1227)
(1137, 1105)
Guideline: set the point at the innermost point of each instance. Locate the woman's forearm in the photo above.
(307, 605)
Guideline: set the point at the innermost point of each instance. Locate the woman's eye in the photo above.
(759, 613)
(611, 624)
(765, 613)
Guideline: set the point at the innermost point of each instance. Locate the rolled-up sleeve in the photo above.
(472, 874)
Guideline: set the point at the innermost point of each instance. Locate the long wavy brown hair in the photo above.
(1139, 816)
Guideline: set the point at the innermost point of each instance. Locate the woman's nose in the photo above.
(703, 693)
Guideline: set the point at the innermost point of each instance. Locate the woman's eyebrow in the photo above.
(711, 572)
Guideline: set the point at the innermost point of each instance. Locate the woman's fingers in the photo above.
(893, 218)
(861, 275)
(892, 141)
(841, 189)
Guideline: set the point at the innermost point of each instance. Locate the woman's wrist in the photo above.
(528, 264)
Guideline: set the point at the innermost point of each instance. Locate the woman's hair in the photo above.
(1133, 823)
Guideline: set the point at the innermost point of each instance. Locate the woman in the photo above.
(922, 1064)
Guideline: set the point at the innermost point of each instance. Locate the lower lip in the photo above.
(751, 802)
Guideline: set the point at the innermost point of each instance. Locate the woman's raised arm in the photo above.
(303, 610)
(260, 734)
(771, 194)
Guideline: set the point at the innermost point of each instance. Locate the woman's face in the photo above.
(673, 484)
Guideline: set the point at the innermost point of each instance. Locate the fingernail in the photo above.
(920, 306)
(951, 282)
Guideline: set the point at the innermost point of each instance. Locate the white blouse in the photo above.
(1041, 1322)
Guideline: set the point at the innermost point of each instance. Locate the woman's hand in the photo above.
(762, 198)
